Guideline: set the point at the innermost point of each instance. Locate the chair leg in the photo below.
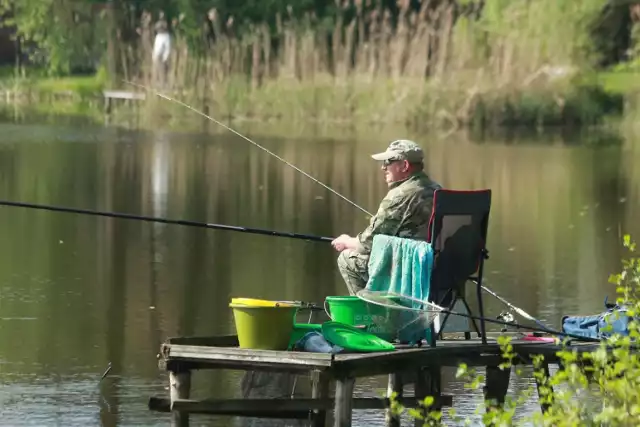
(475, 325)
(450, 309)
(480, 305)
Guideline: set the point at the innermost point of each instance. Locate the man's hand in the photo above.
(343, 242)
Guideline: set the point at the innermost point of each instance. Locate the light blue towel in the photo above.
(401, 266)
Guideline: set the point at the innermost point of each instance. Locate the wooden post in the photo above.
(544, 395)
(343, 402)
(320, 390)
(428, 383)
(395, 385)
(179, 388)
(497, 383)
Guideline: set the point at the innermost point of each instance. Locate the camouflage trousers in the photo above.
(353, 268)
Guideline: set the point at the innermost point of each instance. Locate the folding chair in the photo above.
(458, 235)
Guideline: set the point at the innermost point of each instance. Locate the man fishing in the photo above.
(404, 212)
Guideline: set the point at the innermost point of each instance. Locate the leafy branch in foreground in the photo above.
(597, 387)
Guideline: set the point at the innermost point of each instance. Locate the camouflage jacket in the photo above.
(404, 212)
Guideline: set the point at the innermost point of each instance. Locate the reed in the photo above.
(448, 64)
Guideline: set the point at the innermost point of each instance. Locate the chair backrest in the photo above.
(458, 235)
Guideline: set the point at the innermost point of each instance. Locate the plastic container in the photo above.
(264, 327)
(386, 323)
(354, 311)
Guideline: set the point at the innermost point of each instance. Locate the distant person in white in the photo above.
(161, 48)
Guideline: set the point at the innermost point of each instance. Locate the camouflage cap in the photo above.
(401, 149)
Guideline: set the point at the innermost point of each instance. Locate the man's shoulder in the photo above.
(419, 184)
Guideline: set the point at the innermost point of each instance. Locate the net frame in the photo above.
(424, 311)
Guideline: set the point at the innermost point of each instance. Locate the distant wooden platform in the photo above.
(420, 366)
(121, 95)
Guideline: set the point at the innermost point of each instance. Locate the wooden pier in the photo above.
(122, 95)
(420, 366)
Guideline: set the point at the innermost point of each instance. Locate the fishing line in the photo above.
(317, 181)
(232, 228)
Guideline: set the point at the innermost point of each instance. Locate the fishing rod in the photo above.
(168, 221)
(518, 310)
(542, 329)
(300, 304)
(307, 237)
(317, 181)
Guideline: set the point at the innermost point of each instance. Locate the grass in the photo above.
(85, 85)
(620, 82)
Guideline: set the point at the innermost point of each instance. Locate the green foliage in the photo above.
(57, 35)
(507, 63)
(590, 388)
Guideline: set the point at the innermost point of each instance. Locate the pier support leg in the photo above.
(545, 391)
(495, 389)
(428, 383)
(343, 402)
(320, 390)
(179, 388)
(396, 385)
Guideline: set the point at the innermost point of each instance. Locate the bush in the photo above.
(599, 387)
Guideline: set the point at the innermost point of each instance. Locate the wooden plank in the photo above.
(207, 341)
(245, 357)
(471, 352)
(387, 362)
(122, 94)
(251, 407)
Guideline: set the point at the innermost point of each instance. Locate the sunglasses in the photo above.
(386, 163)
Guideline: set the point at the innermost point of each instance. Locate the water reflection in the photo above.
(79, 292)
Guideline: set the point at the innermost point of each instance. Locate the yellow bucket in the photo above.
(253, 302)
(264, 327)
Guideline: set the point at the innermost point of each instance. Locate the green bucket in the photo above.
(354, 311)
(264, 328)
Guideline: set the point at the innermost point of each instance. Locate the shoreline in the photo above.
(570, 104)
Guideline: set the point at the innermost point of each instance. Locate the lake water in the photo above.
(79, 292)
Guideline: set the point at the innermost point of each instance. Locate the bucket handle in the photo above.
(326, 310)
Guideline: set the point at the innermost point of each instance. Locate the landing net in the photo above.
(402, 316)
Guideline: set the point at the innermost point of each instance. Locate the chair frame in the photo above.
(482, 198)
